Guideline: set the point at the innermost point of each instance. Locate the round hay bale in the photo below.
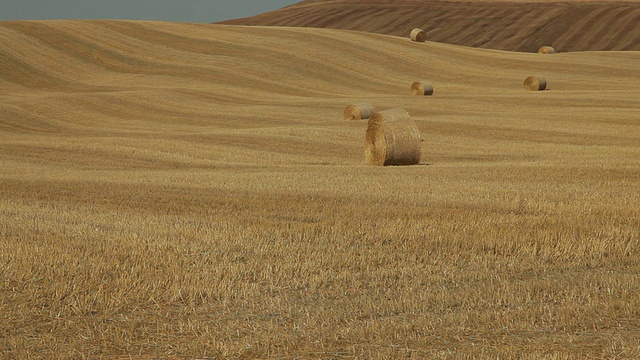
(546, 50)
(358, 111)
(418, 35)
(535, 83)
(422, 88)
(392, 138)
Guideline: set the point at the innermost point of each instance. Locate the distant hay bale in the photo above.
(418, 35)
(546, 50)
(392, 138)
(422, 88)
(535, 83)
(358, 111)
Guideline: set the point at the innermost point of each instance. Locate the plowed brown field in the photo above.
(503, 25)
(191, 191)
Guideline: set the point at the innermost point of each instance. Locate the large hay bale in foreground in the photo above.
(422, 88)
(418, 35)
(392, 138)
(546, 50)
(358, 111)
(535, 83)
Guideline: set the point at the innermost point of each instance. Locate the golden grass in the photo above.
(181, 191)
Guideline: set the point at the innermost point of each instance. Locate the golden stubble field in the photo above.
(191, 191)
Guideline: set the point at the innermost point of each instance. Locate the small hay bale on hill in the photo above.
(422, 88)
(418, 35)
(535, 83)
(358, 111)
(546, 50)
(392, 138)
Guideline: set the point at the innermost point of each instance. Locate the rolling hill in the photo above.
(503, 25)
(173, 190)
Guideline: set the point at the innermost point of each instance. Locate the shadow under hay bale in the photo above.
(546, 50)
(422, 88)
(392, 138)
(535, 83)
(418, 35)
(358, 111)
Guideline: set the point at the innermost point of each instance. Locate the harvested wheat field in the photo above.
(175, 190)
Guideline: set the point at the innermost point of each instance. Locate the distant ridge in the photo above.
(504, 25)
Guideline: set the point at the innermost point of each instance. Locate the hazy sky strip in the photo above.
(203, 11)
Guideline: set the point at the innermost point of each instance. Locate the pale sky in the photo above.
(204, 11)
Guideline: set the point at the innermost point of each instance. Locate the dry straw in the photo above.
(422, 88)
(546, 50)
(418, 35)
(392, 138)
(358, 111)
(535, 83)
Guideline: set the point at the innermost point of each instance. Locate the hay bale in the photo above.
(546, 50)
(358, 111)
(392, 138)
(535, 83)
(418, 35)
(422, 88)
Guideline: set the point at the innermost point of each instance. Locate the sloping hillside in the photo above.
(172, 190)
(504, 25)
(213, 82)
